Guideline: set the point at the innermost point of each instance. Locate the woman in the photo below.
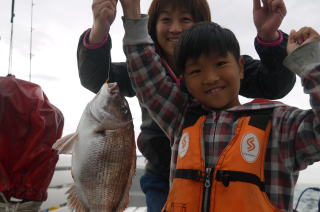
(167, 20)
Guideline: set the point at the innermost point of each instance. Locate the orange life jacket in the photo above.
(236, 184)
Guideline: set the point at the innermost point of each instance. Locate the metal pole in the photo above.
(11, 40)
(12, 11)
(31, 32)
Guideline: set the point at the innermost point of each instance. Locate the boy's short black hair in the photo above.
(204, 38)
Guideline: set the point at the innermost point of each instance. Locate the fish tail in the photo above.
(73, 200)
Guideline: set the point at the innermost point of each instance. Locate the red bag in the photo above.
(29, 125)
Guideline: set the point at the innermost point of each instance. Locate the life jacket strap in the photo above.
(227, 176)
(190, 174)
(260, 120)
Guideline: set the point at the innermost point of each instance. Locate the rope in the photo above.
(21, 206)
(310, 188)
(7, 205)
(54, 207)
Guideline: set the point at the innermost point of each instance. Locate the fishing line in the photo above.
(109, 67)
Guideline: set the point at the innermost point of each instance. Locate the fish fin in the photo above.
(64, 145)
(73, 200)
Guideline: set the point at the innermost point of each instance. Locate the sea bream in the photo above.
(103, 154)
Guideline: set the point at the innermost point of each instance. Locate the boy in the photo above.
(227, 156)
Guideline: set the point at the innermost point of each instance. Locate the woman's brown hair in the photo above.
(199, 9)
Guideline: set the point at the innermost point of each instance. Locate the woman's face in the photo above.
(170, 24)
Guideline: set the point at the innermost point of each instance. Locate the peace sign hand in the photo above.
(268, 18)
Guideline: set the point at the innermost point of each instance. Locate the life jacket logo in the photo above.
(184, 144)
(250, 147)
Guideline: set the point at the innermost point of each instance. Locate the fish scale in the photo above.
(103, 154)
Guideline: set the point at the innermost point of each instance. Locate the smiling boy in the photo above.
(227, 156)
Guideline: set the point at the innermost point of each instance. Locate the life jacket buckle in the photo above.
(190, 174)
(200, 177)
(225, 178)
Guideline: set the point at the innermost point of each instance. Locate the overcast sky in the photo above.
(58, 24)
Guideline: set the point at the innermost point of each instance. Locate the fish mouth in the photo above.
(113, 87)
(112, 84)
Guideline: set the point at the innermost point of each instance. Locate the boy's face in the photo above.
(214, 80)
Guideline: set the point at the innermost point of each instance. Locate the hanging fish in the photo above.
(103, 154)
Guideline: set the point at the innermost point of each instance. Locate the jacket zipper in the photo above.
(208, 180)
(207, 190)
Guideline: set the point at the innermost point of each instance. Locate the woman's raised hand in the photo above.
(104, 13)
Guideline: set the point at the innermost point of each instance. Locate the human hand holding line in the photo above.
(104, 13)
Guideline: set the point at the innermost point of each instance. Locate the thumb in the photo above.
(292, 36)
